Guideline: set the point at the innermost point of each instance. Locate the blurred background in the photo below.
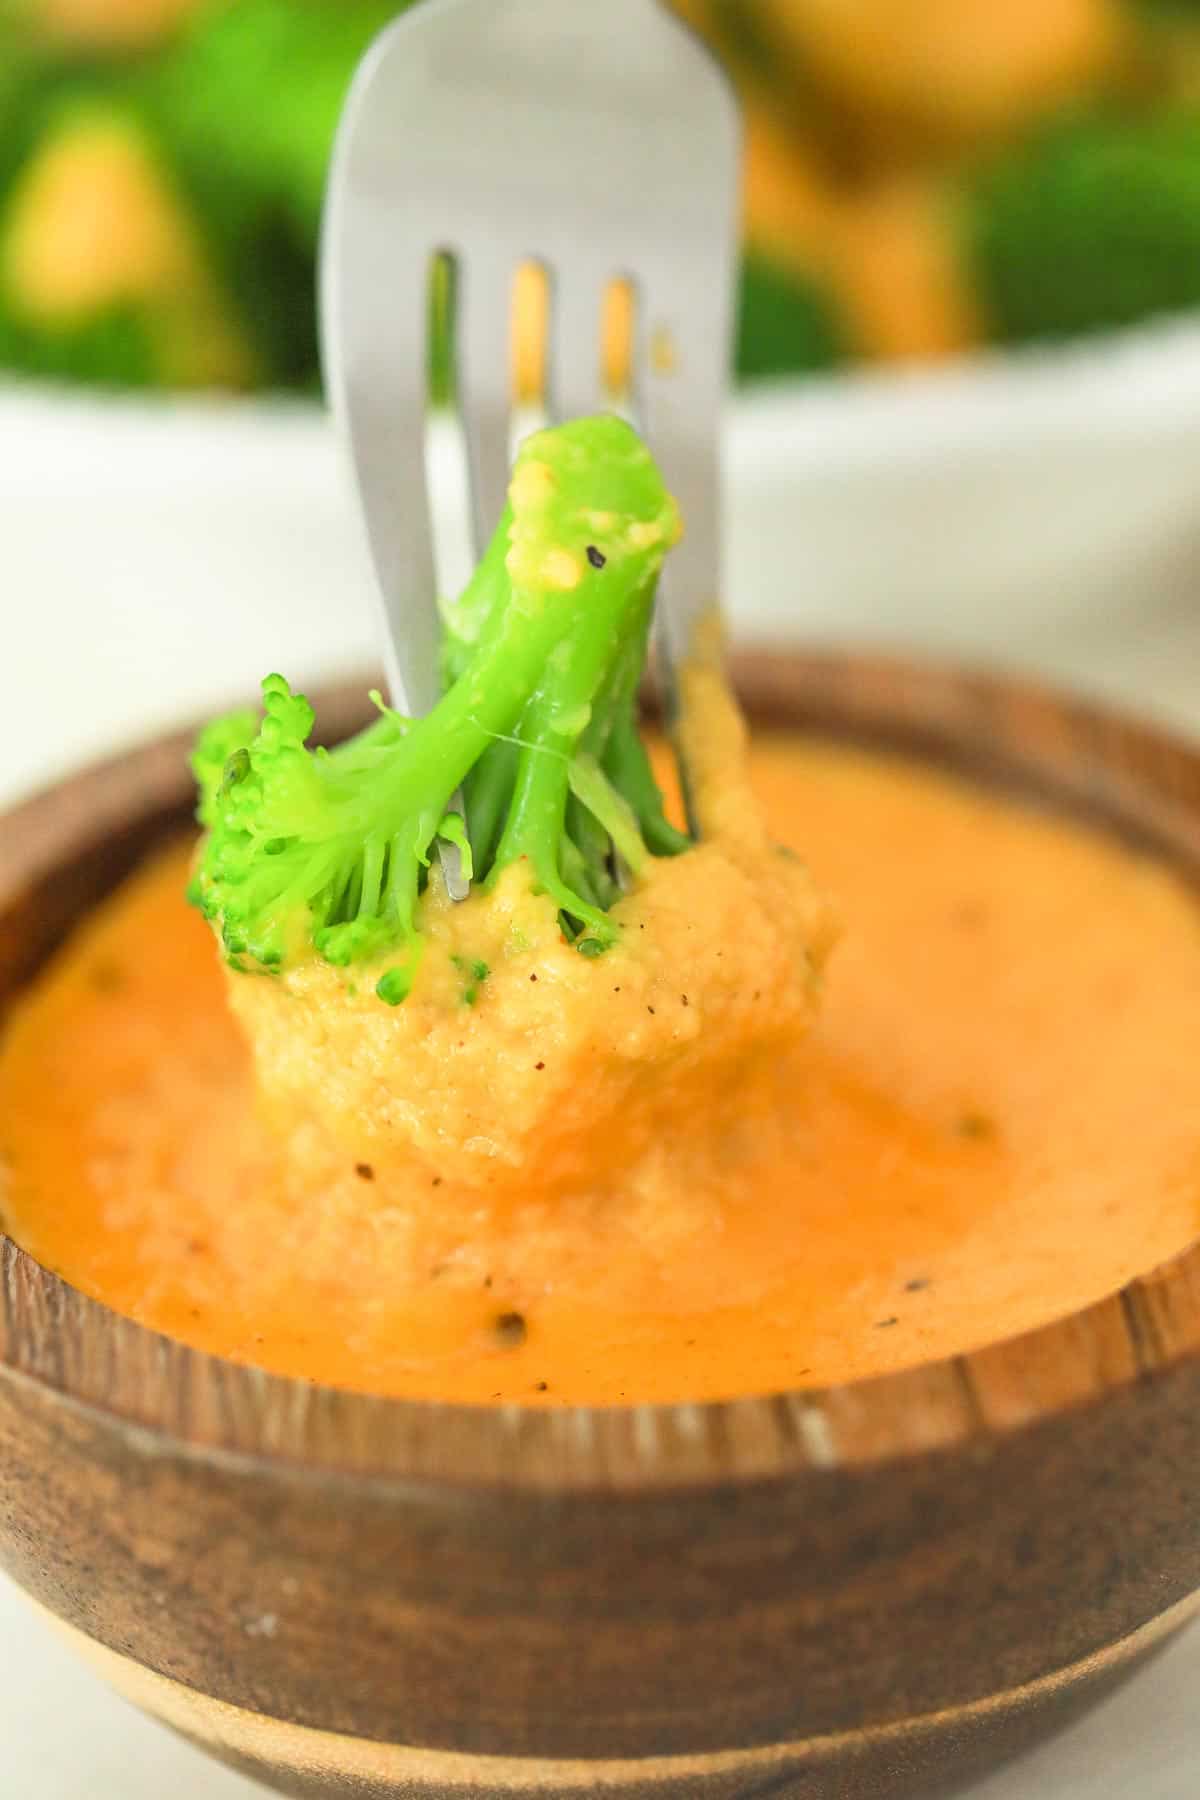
(923, 178)
(968, 412)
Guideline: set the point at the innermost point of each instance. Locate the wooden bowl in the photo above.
(870, 1590)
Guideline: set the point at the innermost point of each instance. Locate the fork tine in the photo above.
(484, 342)
(682, 335)
(679, 374)
(372, 326)
(576, 300)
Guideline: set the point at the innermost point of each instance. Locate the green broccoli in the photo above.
(252, 92)
(244, 177)
(544, 653)
(786, 326)
(1091, 224)
(102, 270)
(245, 105)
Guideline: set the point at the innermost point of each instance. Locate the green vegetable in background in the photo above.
(1091, 224)
(103, 272)
(785, 327)
(230, 121)
(200, 130)
(246, 106)
(252, 93)
(544, 652)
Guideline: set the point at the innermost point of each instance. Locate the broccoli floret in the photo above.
(1092, 224)
(544, 652)
(786, 325)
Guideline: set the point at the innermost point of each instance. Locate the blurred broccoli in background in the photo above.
(106, 273)
(161, 169)
(253, 90)
(1093, 223)
(923, 176)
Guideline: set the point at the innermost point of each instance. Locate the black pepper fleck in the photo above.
(510, 1329)
(533, 978)
(976, 1126)
(917, 1285)
(364, 1171)
(650, 1010)
(436, 1182)
(540, 1065)
(543, 1387)
(883, 1324)
(596, 557)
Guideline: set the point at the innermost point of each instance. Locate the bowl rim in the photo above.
(1126, 380)
(1142, 780)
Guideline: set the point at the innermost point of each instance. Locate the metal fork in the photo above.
(595, 137)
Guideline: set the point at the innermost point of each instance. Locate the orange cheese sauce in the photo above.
(995, 1121)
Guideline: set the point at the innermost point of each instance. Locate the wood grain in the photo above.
(718, 1583)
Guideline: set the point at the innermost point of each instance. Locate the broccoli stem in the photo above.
(488, 790)
(480, 603)
(441, 748)
(628, 768)
(552, 726)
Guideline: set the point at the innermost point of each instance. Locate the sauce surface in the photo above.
(997, 1121)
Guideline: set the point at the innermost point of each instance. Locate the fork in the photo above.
(597, 138)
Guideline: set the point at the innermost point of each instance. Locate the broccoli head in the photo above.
(786, 325)
(327, 851)
(1092, 223)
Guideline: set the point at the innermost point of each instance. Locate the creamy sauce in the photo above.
(995, 1120)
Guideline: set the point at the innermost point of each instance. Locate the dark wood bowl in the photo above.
(872, 1590)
